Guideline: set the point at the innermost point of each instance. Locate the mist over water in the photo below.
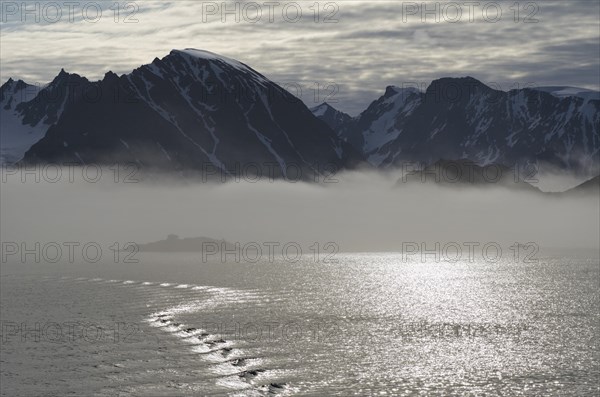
(359, 211)
(372, 323)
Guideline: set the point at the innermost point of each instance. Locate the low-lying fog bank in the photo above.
(359, 211)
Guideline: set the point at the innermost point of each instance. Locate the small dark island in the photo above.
(174, 243)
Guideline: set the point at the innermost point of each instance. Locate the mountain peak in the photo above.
(13, 86)
(110, 76)
(392, 90)
(323, 108)
(207, 55)
(331, 116)
(65, 77)
(212, 58)
(21, 84)
(462, 81)
(453, 88)
(62, 75)
(7, 86)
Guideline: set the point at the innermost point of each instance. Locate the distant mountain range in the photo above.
(193, 110)
(462, 118)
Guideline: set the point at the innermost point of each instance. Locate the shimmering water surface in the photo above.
(366, 325)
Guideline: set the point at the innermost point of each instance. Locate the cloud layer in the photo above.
(350, 50)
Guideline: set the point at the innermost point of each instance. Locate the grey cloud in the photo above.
(369, 48)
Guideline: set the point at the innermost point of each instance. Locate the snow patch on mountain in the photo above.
(320, 110)
(211, 56)
(16, 137)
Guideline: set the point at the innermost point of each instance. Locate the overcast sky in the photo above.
(351, 49)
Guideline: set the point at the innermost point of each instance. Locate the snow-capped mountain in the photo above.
(330, 115)
(192, 110)
(28, 111)
(15, 137)
(382, 122)
(462, 118)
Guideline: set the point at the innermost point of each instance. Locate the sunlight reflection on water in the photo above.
(370, 324)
